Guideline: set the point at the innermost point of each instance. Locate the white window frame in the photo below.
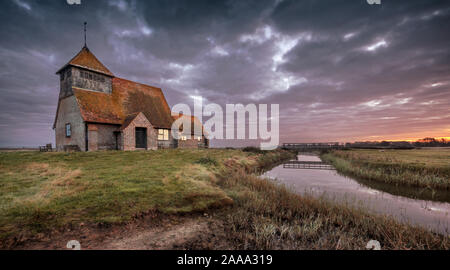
(163, 134)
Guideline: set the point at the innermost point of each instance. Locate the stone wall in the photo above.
(65, 83)
(69, 113)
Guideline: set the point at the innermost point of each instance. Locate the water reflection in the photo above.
(324, 182)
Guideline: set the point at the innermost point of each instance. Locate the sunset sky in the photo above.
(340, 70)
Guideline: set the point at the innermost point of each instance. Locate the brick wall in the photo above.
(170, 143)
(102, 137)
(92, 137)
(191, 142)
(128, 140)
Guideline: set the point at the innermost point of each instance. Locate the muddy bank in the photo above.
(149, 232)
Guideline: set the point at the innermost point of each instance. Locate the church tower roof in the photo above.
(86, 59)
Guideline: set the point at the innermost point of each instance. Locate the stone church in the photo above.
(99, 111)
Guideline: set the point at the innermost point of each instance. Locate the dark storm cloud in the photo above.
(384, 59)
(340, 70)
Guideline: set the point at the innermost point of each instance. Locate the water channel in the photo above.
(307, 175)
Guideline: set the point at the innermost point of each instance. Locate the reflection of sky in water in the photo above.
(334, 187)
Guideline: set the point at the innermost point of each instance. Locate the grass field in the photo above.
(425, 168)
(42, 192)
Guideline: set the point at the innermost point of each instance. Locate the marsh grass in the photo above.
(41, 192)
(425, 168)
(253, 149)
(207, 161)
(269, 216)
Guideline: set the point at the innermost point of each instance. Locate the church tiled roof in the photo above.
(128, 120)
(87, 60)
(127, 98)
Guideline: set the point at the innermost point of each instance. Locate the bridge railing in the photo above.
(294, 164)
(312, 145)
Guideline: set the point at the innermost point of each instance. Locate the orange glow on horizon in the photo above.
(398, 139)
(438, 134)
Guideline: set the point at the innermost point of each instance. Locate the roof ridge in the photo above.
(119, 78)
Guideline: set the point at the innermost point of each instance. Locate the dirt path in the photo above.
(157, 238)
(193, 232)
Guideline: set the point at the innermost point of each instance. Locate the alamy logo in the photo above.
(373, 245)
(231, 123)
(73, 245)
(74, 2)
(376, 2)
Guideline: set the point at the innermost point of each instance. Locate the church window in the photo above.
(163, 134)
(68, 130)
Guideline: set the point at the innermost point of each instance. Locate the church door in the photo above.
(141, 138)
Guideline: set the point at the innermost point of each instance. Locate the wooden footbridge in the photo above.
(317, 165)
(312, 146)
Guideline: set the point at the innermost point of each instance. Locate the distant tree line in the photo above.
(426, 142)
(432, 142)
